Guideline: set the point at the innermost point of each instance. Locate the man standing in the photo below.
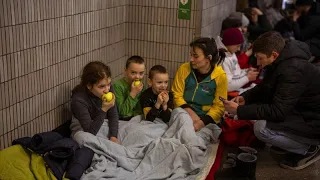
(287, 102)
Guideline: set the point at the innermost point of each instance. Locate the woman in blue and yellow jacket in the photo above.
(198, 84)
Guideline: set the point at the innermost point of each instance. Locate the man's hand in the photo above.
(230, 106)
(115, 140)
(239, 100)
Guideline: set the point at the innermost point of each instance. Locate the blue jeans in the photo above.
(284, 140)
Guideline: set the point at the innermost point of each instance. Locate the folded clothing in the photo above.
(58, 153)
(80, 162)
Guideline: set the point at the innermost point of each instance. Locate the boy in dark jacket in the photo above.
(286, 103)
(156, 101)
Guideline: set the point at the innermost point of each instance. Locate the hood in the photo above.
(294, 49)
(220, 45)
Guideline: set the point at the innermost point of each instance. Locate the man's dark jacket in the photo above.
(289, 95)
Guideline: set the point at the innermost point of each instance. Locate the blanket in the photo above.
(150, 150)
(17, 163)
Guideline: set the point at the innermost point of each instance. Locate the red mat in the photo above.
(216, 165)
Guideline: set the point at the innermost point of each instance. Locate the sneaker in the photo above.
(298, 162)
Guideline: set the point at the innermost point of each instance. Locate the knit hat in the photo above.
(304, 2)
(232, 36)
(245, 20)
(235, 19)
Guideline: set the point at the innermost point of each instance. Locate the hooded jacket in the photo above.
(289, 95)
(236, 76)
(202, 97)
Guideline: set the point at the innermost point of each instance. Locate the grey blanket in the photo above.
(150, 150)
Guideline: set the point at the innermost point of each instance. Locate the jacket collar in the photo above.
(217, 71)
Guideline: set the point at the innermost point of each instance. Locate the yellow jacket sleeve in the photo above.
(217, 109)
(178, 85)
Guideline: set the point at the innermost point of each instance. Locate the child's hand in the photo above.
(165, 97)
(135, 90)
(252, 75)
(115, 140)
(159, 101)
(249, 52)
(107, 105)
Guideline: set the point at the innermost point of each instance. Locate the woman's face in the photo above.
(100, 88)
(198, 59)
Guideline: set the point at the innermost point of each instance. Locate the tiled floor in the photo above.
(268, 169)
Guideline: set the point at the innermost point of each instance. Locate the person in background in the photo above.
(274, 12)
(259, 23)
(88, 108)
(238, 20)
(198, 84)
(128, 89)
(237, 77)
(306, 25)
(157, 101)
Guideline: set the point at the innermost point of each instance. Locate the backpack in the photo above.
(237, 133)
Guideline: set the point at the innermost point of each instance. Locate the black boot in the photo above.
(244, 168)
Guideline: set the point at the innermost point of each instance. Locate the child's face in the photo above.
(100, 88)
(234, 48)
(134, 72)
(159, 82)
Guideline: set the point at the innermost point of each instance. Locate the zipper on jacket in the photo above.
(195, 90)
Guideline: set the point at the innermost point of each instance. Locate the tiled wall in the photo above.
(44, 44)
(155, 32)
(213, 13)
